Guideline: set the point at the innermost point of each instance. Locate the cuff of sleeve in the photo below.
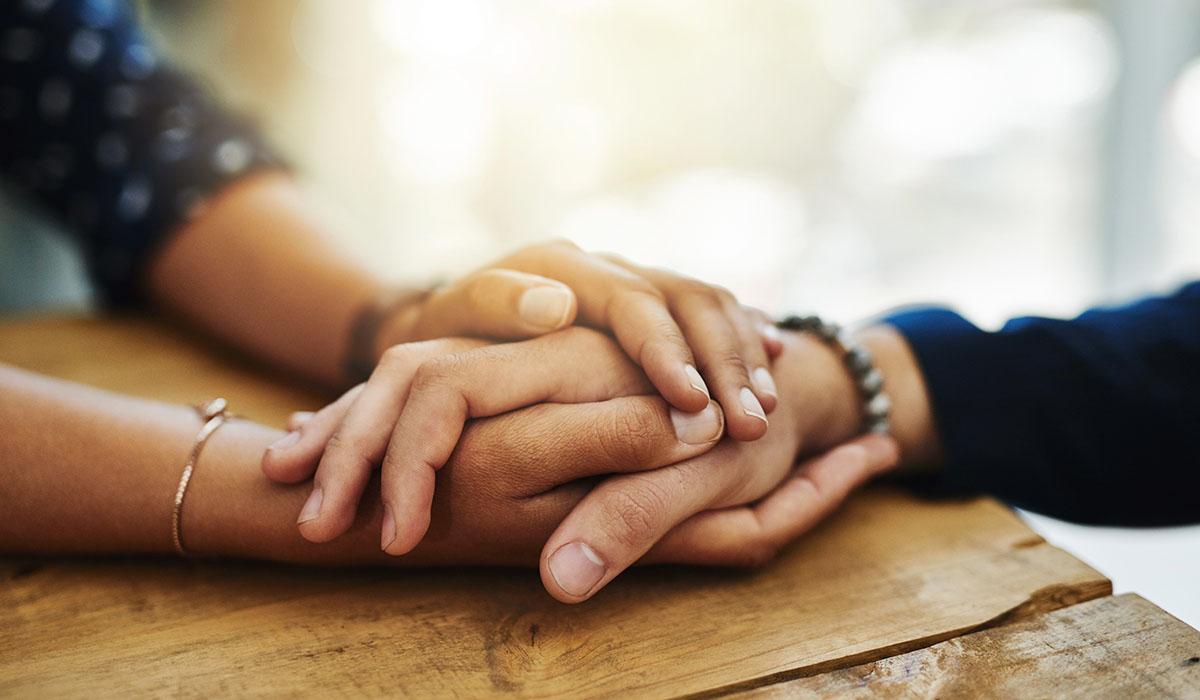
(981, 402)
(121, 258)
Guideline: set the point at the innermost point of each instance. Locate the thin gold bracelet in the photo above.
(214, 413)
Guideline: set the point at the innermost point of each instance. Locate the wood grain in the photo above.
(1115, 647)
(886, 575)
(145, 358)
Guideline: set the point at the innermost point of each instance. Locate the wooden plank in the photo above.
(141, 357)
(1113, 647)
(887, 574)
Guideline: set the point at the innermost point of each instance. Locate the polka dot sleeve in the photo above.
(118, 146)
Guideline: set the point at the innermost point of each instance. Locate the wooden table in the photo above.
(893, 595)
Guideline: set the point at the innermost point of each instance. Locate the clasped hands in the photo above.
(629, 425)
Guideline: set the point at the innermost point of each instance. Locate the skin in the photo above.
(514, 492)
(256, 268)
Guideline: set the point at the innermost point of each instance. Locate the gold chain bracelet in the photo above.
(213, 413)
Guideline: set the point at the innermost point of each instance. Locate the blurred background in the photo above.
(1005, 156)
(1008, 156)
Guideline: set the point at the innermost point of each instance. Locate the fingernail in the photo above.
(576, 568)
(286, 441)
(696, 380)
(545, 307)
(697, 428)
(751, 405)
(770, 331)
(763, 380)
(388, 533)
(312, 507)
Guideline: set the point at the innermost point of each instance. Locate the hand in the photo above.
(516, 478)
(512, 481)
(684, 334)
(493, 516)
(411, 413)
(682, 510)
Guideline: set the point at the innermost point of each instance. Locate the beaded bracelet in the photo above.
(877, 405)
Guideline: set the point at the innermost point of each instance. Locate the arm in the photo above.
(89, 472)
(84, 471)
(260, 271)
(1093, 419)
(171, 197)
(175, 200)
(511, 482)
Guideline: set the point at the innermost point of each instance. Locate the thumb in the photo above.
(497, 303)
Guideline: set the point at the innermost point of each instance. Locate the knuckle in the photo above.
(562, 244)
(631, 427)
(629, 300)
(636, 289)
(637, 425)
(725, 296)
(435, 372)
(632, 511)
(338, 443)
(396, 357)
(727, 358)
(547, 249)
(408, 358)
(615, 259)
(347, 452)
(699, 291)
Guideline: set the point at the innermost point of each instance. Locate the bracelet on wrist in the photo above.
(875, 402)
(359, 360)
(213, 414)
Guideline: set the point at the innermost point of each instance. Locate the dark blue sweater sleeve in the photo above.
(1095, 419)
(113, 143)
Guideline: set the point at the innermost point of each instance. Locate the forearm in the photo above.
(86, 471)
(258, 270)
(90, 472)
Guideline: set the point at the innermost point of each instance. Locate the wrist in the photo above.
(814, 378)
(829, 406)
(233, 510)
(398, 324)
(222, 493)
(912, 423)
(387, 319)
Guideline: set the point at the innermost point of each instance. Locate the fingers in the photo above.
(771, 337)
(754, 353)
(614, 298)
(619, 520)
(555, 444)
(347, 441)
(727, 346)
(752, 535)
(293, 458)
(497, 303)
(573, 366)
(719, 349)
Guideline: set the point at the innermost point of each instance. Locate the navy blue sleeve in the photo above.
(1095, 419)
(114, 144)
